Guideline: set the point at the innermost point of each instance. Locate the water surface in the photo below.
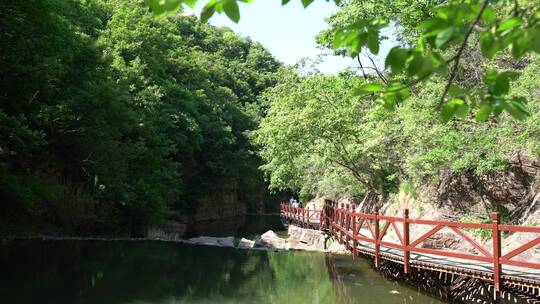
(118, 272)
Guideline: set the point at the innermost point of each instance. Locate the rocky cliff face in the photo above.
(514, 191)
(220, 204)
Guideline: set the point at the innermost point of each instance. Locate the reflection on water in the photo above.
(247, 226)
(156, 272)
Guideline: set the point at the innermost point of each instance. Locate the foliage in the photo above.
(435, 46)
(443, 35)
(319, 136)
(417, 143)
(320, 130)
(112, 118)
(229, 7)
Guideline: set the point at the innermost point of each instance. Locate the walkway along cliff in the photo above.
(371, 235)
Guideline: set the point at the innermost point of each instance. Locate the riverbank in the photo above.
(297, 239)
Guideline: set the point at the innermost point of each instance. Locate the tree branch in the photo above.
(379, 73)
(457, 57)
(361, 67)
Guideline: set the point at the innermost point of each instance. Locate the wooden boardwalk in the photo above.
(368, 234)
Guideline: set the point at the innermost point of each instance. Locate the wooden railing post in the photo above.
(327, 214)
(341, 220)
(496, 233)
(354, 232)
(347, 226)
(337, 219)
(376, 236)
(406, 253)
(334, 215)
(321, 217)
(289, 215)
(289, 212)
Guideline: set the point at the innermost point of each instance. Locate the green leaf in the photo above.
(483, 112)
(155, 6)
(283, 2)
(455, 91)
(171, 5)
(415, 64)
(502, 82)
(190, 3)
(435, 63)
(454, 107)
(432, 26)
(207, 12)
(373, 43)
(520, 46)
(489, 15)
(488, 45)
(396, 59)
(490, 78)
(447, 112)
(306, 3)
(369, 88)
(516, 109)
(444, 36)
(232, 10)
(338, 39)
(498, 107)
(509, 24)
(502, 85)
(462, 110)
(535, 40)
(389, 102)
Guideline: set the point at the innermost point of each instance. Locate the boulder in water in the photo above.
(213, 241)
(246, 244)
(271, 241)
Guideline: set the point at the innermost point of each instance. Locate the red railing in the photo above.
(350, 228)
(301, 215)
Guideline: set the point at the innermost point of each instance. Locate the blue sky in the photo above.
(287, 31)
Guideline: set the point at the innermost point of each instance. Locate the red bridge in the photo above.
(369, 234)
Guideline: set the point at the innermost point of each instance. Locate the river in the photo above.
(119, 272)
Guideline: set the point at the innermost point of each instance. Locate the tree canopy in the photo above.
(370, 133)
(111, 117)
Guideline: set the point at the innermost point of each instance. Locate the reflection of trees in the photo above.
(300, 277)
(121, 272)
(124, 272)
(359, 283)
(339, 287)
(155, 272)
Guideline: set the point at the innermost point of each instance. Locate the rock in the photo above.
(246, 244)
(213, 241)
(271, 241)
(306, 239)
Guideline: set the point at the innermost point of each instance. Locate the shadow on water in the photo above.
(156, 272)
(247, 226)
